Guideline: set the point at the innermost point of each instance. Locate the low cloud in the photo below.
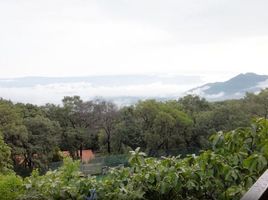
(263, 84)
(53, 93)
(215, 96)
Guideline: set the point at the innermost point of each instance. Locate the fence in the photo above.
(259, 191)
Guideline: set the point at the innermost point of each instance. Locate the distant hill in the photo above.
(233, 88)
(126, 89)
(109, 80)
(121, 89)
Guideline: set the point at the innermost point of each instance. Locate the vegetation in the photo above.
(226, 171)
(229, 161)
(5, 161)
(36, 134)
(11, 186)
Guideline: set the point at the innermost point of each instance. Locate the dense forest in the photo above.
(37, 133)
(32, 137)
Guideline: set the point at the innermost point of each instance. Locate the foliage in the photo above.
(31, 136)
(11, 186)
(155, 126)
(236, 160)
(14, 132)
(36, 134)
(64, 183)
(257, 104)
(5, 161)
(42, 141)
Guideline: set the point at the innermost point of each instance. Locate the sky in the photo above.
(103, 37)
(212, 39)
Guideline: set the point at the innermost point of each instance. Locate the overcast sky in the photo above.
(89, 37)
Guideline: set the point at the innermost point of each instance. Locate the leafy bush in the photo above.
(11, 186)
(64, 183)
(225, 172)
(5, 161)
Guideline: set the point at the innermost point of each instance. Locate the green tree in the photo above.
(129, 132)
(14, 131)
(5, 160)
(164, 125)
(228, 115)
(193, 105)
(257, 104)
(224, 172)
(108, 120)
(42, 141)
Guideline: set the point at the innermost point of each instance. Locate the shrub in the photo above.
(5, 161)
(225, 172)
(63, 183)
(11, 186)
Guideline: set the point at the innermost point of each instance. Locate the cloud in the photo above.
(77, 37)
(54, 93)
(214, 96)
(199, 91)
(263, 84)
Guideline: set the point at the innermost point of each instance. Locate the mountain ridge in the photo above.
(127, 89)
(234, 88)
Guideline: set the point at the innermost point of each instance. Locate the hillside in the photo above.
(121, 89)
(233, 88)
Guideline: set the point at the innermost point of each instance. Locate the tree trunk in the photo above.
(109, 143)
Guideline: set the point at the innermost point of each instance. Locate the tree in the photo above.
(108, 120)
(78, 121)
(5, 160)
(228, 115)
(129, 130)
(164, 125)
(14, 132)
(42, 141)
(257, 104)
(193, 105)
